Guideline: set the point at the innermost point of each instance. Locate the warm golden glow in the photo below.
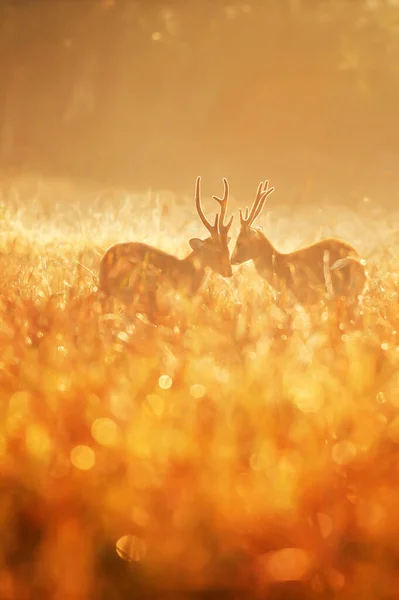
(222, 438)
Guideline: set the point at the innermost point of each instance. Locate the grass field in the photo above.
(240, 449)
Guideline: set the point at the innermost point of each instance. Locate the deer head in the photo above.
(213, 251)
(247, 240)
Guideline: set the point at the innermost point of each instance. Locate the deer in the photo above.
(137, 273)
(330, 268)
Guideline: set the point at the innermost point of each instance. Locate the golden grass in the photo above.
(240, 446)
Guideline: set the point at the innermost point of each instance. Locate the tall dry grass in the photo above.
(239, 448)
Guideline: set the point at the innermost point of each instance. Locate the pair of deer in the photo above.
(135, 271)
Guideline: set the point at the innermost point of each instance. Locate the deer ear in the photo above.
(196, 243)
(259, 228)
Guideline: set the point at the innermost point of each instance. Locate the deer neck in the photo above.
(194, 268)
(265, 254)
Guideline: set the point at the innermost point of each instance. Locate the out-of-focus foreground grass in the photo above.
(239, 447)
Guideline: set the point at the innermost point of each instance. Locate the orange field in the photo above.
(238, 449)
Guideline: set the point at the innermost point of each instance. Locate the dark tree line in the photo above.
(151, 93)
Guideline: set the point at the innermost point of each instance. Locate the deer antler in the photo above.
(262, 193)
(219, 228)
(224, 227)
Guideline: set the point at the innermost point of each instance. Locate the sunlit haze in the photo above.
(194, 406)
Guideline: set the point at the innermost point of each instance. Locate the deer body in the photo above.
(137, 273)
(331, 266)
(303, 272)
(131, 268)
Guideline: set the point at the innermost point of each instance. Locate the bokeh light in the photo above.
(83, 458)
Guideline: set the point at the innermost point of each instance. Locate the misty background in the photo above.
(149, 94)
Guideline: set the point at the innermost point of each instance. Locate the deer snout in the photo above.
(234, 260)
(227, 270)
